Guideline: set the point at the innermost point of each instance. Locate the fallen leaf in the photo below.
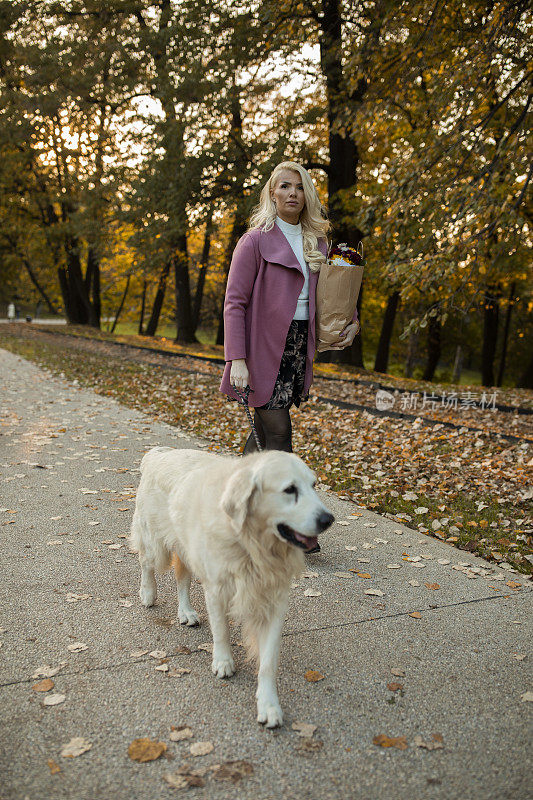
(386, 741)
(178, 672)
(75, 747)
(307, 746)
(158, 654)
(180, 780)
(201, 748)
(53, 767)
(415, 615)
(162, 668)
(48, 672)
(138, 653)
(180, 732)
(527, 697)
(143, 750)
(363, 574)
(305, 729)
(514, 584)
(72, 597)
(232, 771)
(343, 574)
(43, 686)
(400, 673)
(54, 699)
(394, 687)
(375, 592)
(206, 646)
(437, 742)
(76, 647)
(312, 675)
(432, 586)
(312, 593)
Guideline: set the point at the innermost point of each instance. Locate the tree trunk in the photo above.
(526, 379)
(434, 348)
(184, 320)
(143, 306)
(412, 350)
(381, 363)
(153, 322)
(200, 283)
(121, 306)
(33, 278)
(490, 335)
(457, 364)
(506, 334)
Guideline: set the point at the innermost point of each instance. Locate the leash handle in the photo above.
(243, 401)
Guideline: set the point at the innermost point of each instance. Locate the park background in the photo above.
(135, 137)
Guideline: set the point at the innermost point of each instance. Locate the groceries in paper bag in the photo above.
(337, 291)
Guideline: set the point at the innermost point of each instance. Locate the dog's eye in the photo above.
(291, 490)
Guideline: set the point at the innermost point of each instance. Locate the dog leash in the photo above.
(243, 401)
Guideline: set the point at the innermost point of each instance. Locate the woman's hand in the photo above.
(239, 375)
(347, 336)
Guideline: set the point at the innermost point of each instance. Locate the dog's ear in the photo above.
(237, 496)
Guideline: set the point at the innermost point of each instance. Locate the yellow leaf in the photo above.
(146, 750)
(387, 741)
(312, 675)
(53, 767)
(416, 614)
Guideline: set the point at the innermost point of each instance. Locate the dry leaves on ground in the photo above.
(436, 743)
(143, 750)
(43, 686)
(180, 732)
(305, 729)
(387, 741)
(308, 746)
(233, 771)
(312, 675)
(201, 748)
(54, 699)
(75, 747)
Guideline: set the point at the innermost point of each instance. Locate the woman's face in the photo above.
(288, 194)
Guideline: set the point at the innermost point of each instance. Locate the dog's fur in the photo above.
(232, 523)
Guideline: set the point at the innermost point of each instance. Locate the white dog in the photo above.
(241, 525)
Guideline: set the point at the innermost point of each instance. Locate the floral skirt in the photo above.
(289, 385)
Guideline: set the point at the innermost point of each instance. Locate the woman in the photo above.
(269, 309)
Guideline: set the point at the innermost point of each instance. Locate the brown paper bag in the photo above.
(336, 298)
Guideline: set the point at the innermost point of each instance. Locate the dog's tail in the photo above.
(150, 455)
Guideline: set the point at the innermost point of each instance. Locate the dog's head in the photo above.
(275, 491)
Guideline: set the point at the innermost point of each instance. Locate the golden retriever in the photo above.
(240, 525)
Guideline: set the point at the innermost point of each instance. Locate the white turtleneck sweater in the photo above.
(293, 234)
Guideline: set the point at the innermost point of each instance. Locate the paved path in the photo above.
(68, 471)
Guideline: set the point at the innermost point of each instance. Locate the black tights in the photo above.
(273, 428)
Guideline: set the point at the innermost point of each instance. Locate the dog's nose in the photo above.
(324, 520)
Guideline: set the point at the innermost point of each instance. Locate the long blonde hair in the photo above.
(313, 217)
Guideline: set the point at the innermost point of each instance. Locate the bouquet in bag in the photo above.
(337, 291)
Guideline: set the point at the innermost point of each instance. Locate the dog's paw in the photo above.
(269, 714)
(223, 667)
(189, 617)
(148, 595)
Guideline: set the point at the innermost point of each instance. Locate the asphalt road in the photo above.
(68, 471)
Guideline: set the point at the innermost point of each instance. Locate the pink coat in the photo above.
(264, 282)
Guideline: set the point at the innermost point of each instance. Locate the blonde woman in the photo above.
(269, 309)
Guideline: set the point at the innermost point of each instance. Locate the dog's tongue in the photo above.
(309, 541)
